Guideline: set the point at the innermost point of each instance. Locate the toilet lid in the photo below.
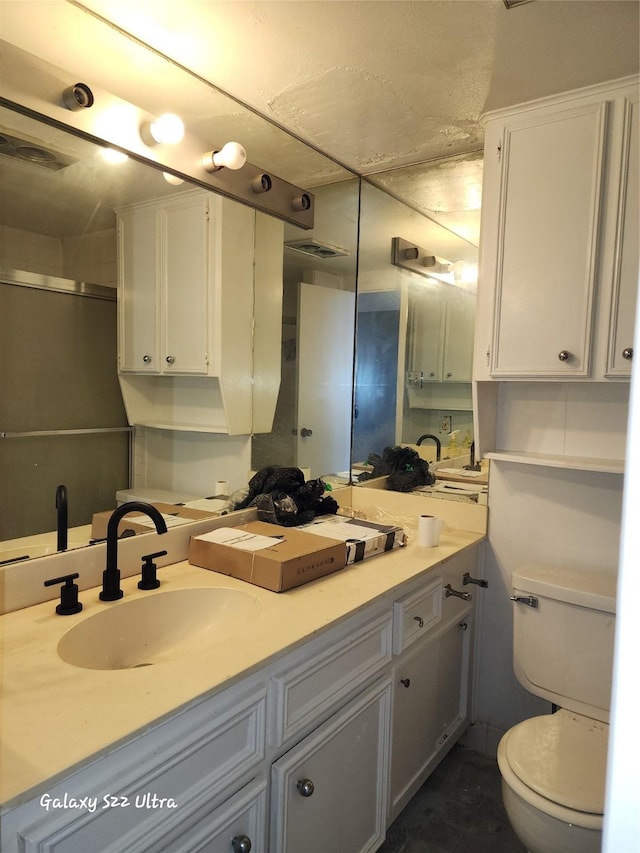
(562, 757)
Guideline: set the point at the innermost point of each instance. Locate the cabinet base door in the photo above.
(329, 792)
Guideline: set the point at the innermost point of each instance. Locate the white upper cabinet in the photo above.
(441, 319)
(200, 294)
(173, 271)
(559, 246)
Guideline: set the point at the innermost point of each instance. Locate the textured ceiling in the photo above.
(376, 85)
(380, 84)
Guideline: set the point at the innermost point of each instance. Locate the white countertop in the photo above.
(55, 716)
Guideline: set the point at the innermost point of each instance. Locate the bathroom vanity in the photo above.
(307, 723)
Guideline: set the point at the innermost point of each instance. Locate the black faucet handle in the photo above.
(149, 579)
(69, 603)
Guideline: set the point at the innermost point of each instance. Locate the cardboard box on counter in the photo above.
(362, 538)
(138, 522)
(267, 555)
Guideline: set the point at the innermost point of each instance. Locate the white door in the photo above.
(326, 319)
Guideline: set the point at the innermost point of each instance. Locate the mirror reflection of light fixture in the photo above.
(413, 258)
(230, 156)
(174, 180)
(167, 129)
(114, 157)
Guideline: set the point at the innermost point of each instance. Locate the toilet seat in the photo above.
(557, 762)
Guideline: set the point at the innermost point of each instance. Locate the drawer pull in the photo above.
(406, 682)
(419, 620)
(305, 787)
(241, 844)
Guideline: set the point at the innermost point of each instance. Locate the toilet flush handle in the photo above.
(529, 600)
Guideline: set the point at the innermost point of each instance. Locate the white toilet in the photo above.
(554, 766)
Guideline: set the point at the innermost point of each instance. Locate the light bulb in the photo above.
(114, 157)
(167, 129)
(230, 156)
(174, 180)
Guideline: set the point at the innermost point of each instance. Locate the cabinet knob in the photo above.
(305, 432)
(147, 359)
(564, 355)
(170, 359)
(419, 620)
(433, 373)
(241, 844)
(449, 375)
(305, 787)
(627, 353)
(406, 682)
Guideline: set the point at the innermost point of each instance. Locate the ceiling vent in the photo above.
(317, 249)
(20, 149)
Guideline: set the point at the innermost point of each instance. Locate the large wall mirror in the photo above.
(415, 321)
(62, 418)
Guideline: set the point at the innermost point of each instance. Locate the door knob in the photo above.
(304, 432)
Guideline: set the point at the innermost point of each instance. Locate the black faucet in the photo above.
(62, 513)
(437, 441)
(111, 576)
(473, 465)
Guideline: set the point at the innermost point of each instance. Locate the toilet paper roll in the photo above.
(222, 487)
(429, 527)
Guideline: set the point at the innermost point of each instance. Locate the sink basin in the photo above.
(157, 628)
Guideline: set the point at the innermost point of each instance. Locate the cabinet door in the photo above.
(627, 253)
(234, 827)
(426, 330)
(329, 792)
(186, 248)
(547, 243)
(416, 725)
(138, 271)
(452, 677)
(458, 336)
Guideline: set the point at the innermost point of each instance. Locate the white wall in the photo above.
(190, 461)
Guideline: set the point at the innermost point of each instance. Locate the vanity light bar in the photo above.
(36, 88)
(414, 258)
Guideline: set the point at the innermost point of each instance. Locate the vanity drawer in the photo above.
(144, 789)
(415, 614)
(305, 694)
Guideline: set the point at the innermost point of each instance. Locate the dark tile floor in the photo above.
(458, 810)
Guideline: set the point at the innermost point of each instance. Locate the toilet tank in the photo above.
(563, 644)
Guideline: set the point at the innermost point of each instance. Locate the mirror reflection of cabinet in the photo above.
(440, 340)
(186, 313)
(173, 268)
